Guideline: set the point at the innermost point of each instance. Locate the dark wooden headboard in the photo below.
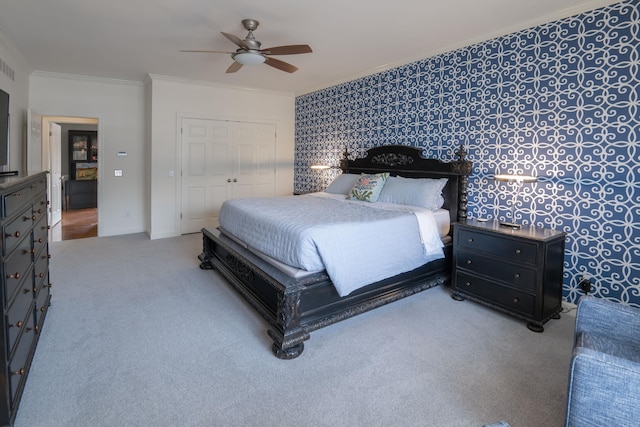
(400, 160)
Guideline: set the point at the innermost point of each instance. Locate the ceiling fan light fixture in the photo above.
(249, 58)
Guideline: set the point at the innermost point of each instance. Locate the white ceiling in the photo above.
(127, 39)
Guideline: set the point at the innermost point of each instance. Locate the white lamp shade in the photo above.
(249, 58)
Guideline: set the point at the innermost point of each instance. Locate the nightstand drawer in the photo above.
(513, 274)
(486, 290)
(499, 245)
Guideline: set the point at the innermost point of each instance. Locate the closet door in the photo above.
(207, 160)
(223, 160)
(255, 148)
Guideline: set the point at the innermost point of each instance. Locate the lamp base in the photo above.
(509, 224)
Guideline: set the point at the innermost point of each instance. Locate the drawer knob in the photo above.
(41, 275)
(16, 234)
(468, 284)
(18, 372)
(26, 291)
(516, 300)
(18, 324)
(14, 276)
(470, 240)
(517, 275)
(469, 261)
(33, 218)
(48, 286)
(518, 251)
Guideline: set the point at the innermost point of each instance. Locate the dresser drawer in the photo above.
(16, 230)
(40, 232)
(516, 250)
(18, 366)
(510, 299)
(19, 314)
(16, 268)
(15, 200)
(513, 274)
(42, 302)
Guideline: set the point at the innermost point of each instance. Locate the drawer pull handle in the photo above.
(469, 261)
(14, 276)
(517, 275)
(18, 372)
(18, 324)
(39, 240)
(39, 211)
(17, 194)
(518, 251)
(26, 291)
(516, 300)
(41, 275)
(468, 284)
(33, 218)
(16, 234)
(470, 240)
(48, 286)
(42, 309)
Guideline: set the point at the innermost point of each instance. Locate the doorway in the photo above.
(73, 156)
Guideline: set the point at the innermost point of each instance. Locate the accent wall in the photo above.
(560, 101)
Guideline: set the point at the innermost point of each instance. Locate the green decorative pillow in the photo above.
(368, 187)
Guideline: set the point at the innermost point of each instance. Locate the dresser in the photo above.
(25, 281)
(516, 271)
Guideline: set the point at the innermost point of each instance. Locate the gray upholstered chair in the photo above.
(604, 379)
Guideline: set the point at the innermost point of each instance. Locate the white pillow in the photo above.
(342, 184)
(425, 192)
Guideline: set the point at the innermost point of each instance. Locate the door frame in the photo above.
(45, 147)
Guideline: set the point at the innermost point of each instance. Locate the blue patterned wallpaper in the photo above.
(560, 101)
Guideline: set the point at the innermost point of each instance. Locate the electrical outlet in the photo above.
(585, 285)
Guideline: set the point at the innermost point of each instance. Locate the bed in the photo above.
(295, 304)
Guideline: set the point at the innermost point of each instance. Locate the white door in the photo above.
(223, 160)
(206, 172)
(255, 159)
(55, 178)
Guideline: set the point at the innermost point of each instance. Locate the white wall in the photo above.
(18, 90)
(119, 107)
(169, 99)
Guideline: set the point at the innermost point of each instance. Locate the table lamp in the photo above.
(517, 181)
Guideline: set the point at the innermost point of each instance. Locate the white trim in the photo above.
(79, 77)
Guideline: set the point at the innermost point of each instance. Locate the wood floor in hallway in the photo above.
(79, 223)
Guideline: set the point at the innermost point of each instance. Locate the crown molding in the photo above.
(76, 77)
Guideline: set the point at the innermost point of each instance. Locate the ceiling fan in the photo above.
(249, 52)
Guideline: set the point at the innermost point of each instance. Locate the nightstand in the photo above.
(516, 271)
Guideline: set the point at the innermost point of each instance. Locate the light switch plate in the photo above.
(118, 172)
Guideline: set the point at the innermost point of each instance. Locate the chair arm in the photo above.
(603, 390)
(597, 315)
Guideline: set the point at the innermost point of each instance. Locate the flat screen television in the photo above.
(4, 130)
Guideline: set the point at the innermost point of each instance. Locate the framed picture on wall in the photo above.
(79, 145)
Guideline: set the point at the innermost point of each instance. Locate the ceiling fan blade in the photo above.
(293, 49)
(237, 40)
(281, 65)
(234, 67)
(206, 51)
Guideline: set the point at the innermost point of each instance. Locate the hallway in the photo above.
(76, 224)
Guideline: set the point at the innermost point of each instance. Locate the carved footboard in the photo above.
(294, 308)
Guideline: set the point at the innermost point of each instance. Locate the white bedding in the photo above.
(357, 243)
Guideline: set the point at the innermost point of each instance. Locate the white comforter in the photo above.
(357, 243)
